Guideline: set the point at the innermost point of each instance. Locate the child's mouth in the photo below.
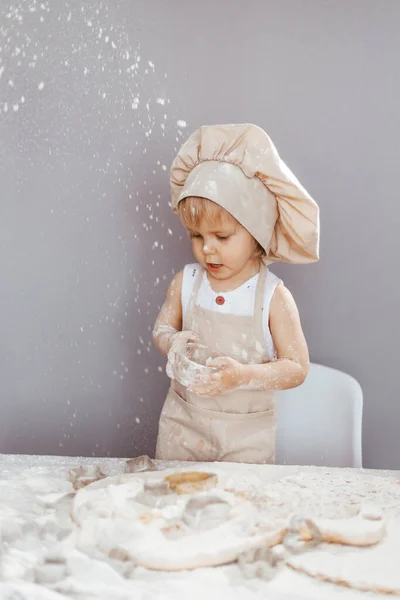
(213, 266)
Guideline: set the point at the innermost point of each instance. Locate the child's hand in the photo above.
(178, 341)
(229, 377)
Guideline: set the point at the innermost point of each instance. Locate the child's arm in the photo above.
(169, 320)
(288, 371)
(293, 362)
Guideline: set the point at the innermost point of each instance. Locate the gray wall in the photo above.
(87, 240)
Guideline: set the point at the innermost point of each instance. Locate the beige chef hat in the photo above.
(238, 167)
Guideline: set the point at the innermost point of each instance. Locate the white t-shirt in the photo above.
(240, 301)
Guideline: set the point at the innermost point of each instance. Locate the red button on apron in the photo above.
(220, 300)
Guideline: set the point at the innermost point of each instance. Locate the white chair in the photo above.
(320, 422)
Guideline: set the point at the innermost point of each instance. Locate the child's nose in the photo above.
(207, 249)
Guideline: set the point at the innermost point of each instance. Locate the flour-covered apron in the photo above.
(237, 426)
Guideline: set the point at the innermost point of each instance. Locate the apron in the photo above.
(237, 426)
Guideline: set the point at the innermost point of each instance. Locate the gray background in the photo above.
(87, 241)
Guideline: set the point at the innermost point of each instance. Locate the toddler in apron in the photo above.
(243, 209)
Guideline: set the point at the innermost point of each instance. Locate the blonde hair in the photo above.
(193, 209)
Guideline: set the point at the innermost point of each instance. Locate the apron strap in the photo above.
(196, 287)
(259, 302)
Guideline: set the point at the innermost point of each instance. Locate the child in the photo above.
(243, 209)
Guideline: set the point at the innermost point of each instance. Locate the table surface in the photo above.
(329, 488)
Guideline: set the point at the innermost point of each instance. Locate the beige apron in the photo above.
(237, 426)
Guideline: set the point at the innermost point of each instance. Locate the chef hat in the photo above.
(238, 167)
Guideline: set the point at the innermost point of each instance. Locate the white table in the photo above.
(320, 485)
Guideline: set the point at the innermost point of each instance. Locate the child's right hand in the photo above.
(178, 341)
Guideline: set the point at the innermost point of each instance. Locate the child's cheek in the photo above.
(196, 247)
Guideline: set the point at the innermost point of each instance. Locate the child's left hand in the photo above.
(227, 378)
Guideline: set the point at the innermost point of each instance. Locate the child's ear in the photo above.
(259, 250)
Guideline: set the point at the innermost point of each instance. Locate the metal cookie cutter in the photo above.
(156, 494)
(83, 476)
(139, 464)
(302, 535)
(259, 562)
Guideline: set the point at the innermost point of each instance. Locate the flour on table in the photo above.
(372, 569)
(47, 554)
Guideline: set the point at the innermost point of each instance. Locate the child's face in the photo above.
(223, 247)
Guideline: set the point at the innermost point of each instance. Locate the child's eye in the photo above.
(222, 237)
(195, 235)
